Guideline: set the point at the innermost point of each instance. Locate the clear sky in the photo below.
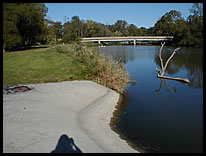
(139, 14)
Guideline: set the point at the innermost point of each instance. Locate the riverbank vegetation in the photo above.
(25, 24)
(63, 63)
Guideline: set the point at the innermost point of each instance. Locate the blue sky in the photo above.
(139, 14)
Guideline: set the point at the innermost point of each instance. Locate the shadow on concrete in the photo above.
(66, 145)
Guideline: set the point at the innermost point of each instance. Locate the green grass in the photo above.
(38, 67)
(64, 63)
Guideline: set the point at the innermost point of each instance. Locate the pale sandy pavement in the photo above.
(34, 121)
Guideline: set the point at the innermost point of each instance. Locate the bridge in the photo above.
(133, 39)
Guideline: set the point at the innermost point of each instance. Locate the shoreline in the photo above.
(114, 120)
(34, 121)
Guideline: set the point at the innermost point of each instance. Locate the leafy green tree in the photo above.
(143, 31)
(166, 25)
(90, 28)
(182, 35)
(186, 33)
(23, 24)
(77, 26)
(58, 30)
(107, 31)
(195, 22)
(120, 26)
(72, 30)
(132, 30)
(11, 36)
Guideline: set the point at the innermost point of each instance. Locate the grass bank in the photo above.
(63, 63)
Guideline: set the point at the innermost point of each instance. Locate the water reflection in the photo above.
(172, 91)
(127, 53)
(186, 58)
(161, 115)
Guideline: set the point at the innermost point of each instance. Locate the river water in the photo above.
(161, 115)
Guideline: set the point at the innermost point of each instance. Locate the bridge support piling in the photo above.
(99, 42)
(134, 42)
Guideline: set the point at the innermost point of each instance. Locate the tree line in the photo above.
(25, 24)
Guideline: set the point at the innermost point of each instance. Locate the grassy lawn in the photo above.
(39, 67)
(62, 63)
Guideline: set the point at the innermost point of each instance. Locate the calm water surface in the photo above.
(161, 115)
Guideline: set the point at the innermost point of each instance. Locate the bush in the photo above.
(70, 38)
(98, 68)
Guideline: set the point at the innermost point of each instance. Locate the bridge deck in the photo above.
(128, 38)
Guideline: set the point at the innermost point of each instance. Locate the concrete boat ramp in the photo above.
(65, 117)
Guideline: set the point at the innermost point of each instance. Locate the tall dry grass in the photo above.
(97, 67)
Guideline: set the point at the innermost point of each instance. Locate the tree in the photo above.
(143, 31)
(11, 37)
(197, 9)
(132, 30)
(121, 26)
(186, 33)
(77, 26)
(72, 30)
(58, 30)
(107, 31)
(90, 28)
(166, 25)
(23, 24)
(182, 35)
(195, 22)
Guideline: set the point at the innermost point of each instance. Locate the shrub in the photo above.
(98, 68)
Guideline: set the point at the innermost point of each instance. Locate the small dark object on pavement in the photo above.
(17, 89)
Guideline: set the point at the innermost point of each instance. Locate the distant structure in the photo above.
(133, 39)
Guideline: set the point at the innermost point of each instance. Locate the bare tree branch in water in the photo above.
(160, 74)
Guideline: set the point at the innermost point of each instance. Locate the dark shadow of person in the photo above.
(66, 145)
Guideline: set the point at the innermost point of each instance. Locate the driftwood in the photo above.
(173, 78)
(160, 74)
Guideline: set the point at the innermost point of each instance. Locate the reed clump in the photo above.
(98, 68)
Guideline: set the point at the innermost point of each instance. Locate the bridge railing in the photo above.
(128, 37)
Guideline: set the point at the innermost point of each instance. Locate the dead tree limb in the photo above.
(173, 78)
(161, 73)
(161, 60)
(174, 52)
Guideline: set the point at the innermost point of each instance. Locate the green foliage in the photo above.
(69, 38)
(166, 25)
(132, 30)
(57, 29)
(23, 23)
(186, 33)
(11, 37)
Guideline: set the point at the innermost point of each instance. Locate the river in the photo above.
(161, 116)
